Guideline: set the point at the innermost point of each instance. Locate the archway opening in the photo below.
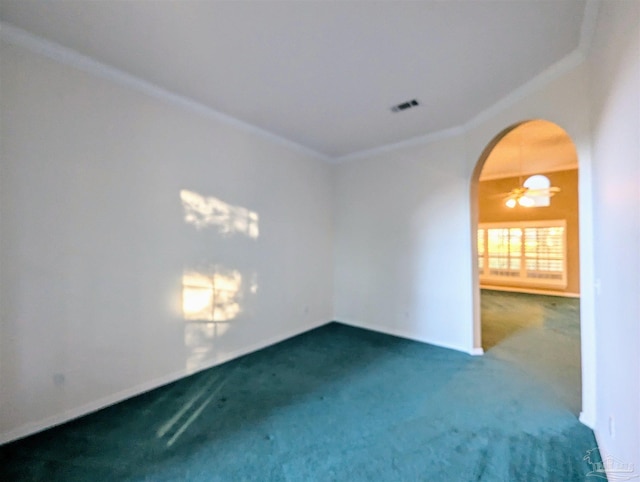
(526, 252)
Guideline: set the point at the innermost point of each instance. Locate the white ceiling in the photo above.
(321, 74)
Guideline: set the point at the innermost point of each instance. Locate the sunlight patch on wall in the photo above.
(211, 297)
(211, 300)
(199, 340)
(253, 284)
(203, 212)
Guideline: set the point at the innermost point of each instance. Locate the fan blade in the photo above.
(502, 195)
(516, 192)
(547, 191)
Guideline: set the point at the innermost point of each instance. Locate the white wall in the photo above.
(403, 230)
(94, 239)
(563, 101)
(95, 242)
(614, 75)
(402, 243)
(403, 227)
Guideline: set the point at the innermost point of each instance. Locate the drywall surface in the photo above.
(405, 259)
(614, 78)
(403, 246)
(565, 102)
(141, 242)
(405, 218)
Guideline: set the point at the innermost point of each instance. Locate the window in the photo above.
(531, 253)
(541, 183)
(481, 249)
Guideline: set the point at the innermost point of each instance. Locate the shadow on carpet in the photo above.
(336, 403)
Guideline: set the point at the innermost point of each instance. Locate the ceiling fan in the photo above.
(527, 196)
(536, 190)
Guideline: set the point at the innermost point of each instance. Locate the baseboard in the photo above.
(68, 415)
(530, 291)
(588, 420)
(409, 336)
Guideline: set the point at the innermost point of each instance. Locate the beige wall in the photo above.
(564, 205)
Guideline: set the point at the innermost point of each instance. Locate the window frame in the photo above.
(521, 279)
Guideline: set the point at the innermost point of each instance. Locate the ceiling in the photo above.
(532, 148)
(321, 74)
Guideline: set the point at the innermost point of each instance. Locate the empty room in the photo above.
(320, 240)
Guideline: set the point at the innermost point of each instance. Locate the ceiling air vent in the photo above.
(405, 105)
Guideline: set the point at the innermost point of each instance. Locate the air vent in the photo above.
(405, 105)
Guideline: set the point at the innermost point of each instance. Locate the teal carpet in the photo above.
(345, 404)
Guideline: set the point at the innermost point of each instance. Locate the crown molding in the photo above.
(588, 27)
(38, 45)
(54, 51)
(564, 65)
(544, 78)
(414, 141)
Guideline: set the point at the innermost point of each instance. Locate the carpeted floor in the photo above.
(340, 403)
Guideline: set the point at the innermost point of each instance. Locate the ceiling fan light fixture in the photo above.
(526, 202)
(535, 191)
(519, 199)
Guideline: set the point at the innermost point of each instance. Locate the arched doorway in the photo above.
(526, 254)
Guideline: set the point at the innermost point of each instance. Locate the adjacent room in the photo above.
(319, 240)
(528, 226)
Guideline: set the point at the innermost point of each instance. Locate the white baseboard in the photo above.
(410, 336)
(58, 419)
(588, 420)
